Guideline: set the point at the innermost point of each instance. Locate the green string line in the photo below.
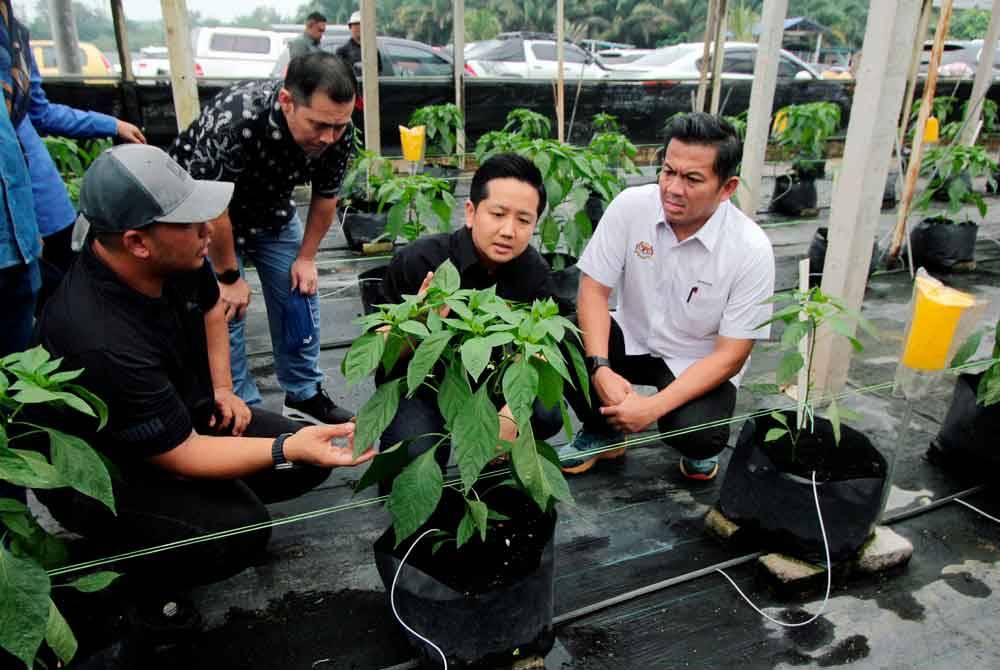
(304, 516)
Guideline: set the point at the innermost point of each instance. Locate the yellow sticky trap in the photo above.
(780, 122)
(932, 130)
(413, 142)
(936, 314)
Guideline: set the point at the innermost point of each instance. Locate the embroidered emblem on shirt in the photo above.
(644, 250)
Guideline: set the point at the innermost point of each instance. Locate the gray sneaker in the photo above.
(587, 448)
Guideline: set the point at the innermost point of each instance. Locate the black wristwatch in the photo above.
(278, 453)
(228, 277)
(595, 362)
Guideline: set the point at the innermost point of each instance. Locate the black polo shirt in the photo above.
(523, 279)
(242, 136)
(147, 358)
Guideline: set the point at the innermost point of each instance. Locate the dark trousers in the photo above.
(57, 257)
(647, 370)
(155, 508)
(420, 415)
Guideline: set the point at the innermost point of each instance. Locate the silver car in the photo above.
(683, 62)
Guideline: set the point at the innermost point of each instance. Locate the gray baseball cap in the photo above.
(136, 185)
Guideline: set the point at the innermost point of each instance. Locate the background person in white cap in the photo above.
(351, 50)
(140, 312)
(268, 137)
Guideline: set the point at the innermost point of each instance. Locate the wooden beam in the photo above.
(857, 195)
(984, 77)
(561, 72)
(64, 36)
(718, 55)
(458, 39)
(911, 82)
(706, 54)
(121, 40)
(917, 150)
(369, 77)
(182, 77)
(765, 79)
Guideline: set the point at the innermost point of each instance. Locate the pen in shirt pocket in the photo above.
(694, 289)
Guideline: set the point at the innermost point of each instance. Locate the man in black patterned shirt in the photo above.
(268, 137)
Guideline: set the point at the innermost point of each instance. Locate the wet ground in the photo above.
(317, 602)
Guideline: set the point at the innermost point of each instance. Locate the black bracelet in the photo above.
(278, 453)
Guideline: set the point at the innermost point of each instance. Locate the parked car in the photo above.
(239, 53)
(532, 56)
(154, 61)
(611, 57)
(400, 58)
(683, 61)
(958, 59)
(92, 61)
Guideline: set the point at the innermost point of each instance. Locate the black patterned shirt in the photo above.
(242, 136)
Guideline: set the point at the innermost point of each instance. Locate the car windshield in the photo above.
(664, 56)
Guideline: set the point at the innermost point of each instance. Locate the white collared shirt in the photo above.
(674, 297)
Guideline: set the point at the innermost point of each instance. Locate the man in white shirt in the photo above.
(691, 273)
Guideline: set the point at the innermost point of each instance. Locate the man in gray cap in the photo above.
(140, 312)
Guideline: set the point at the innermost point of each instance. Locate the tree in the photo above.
(969, 24)
(481, 24)
(742, 21)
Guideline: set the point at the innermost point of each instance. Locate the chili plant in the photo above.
(72, 158)
(485, 352)
(28, 616)
(802, 131)
(988, 391)
(947, 168)
(807, 313)
(365, 176)
(527, 123)
(417, 202)
(442, 123)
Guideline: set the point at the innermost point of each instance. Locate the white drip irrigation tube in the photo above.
(392, 598)
(829, 572)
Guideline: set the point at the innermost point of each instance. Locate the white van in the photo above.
(239, 53)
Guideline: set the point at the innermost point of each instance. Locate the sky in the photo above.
(224, 10)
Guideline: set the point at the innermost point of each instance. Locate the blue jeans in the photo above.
(19, 286)
(296, 364)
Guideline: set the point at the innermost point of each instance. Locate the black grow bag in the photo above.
(370, 285)
(362, 224)
(565, 279)
(817, 256)
(793, 195)
(768, 501)
(486, 625)
(940, 244)
(968, 434)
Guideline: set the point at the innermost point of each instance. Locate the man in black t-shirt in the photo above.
(267, 137)
(506, 199)
(350, 50)
(140, 312)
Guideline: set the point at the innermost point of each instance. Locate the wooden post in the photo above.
(857, 195)
(64, 36)
(917, 151)
(718, 55)
(458, 39)
(561, 80)
(911, 83)
(369, 77)
(706, 54)
(984, 77)
(121, 40)
(182, 77)
(765, 78)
